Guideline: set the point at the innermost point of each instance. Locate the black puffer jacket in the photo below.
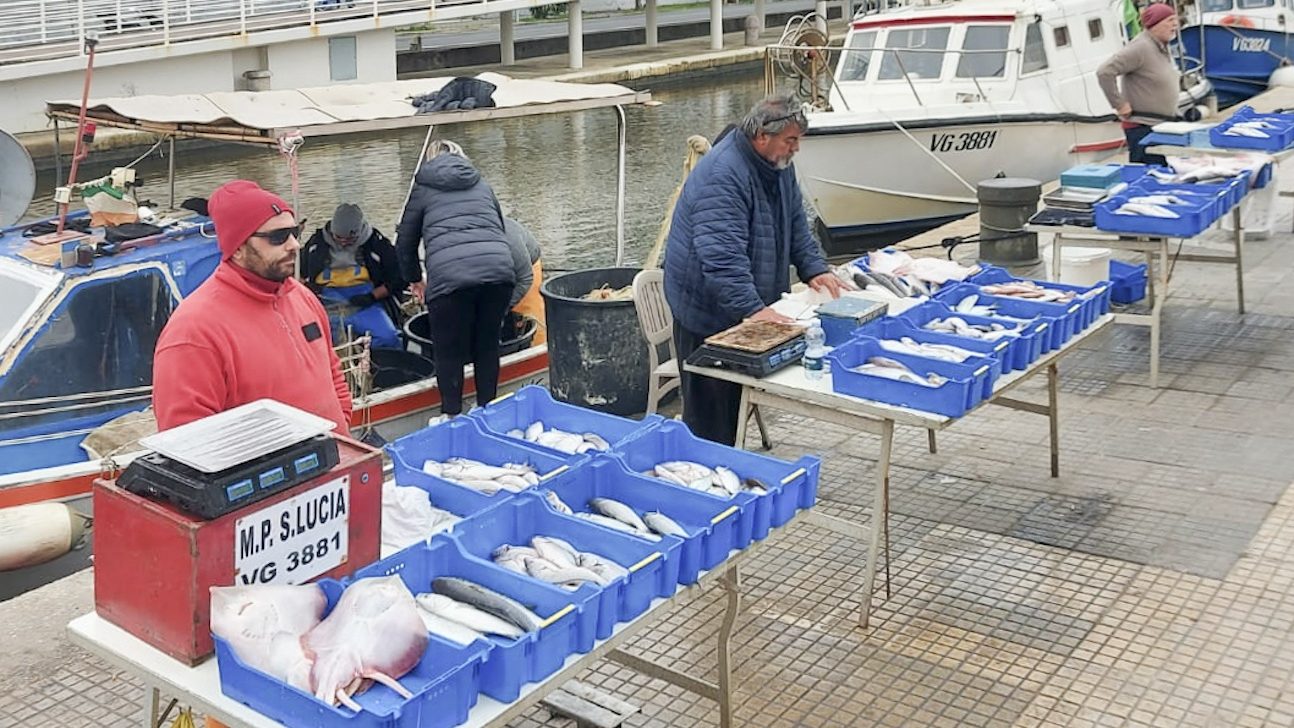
(455, 214)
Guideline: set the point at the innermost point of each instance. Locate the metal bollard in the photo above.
(1005, 205)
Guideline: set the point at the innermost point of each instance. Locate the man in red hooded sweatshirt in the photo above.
(250, 331)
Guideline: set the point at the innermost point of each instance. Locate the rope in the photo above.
(952, 242)
(697, 146)
(288, 145)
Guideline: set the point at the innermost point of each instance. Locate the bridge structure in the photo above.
(201, 46)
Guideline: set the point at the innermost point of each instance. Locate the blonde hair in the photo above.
(444, 146)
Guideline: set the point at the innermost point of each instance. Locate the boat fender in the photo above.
(40, 532)
(1283, 76)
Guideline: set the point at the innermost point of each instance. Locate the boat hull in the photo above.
(873, 180)
(1238, 60)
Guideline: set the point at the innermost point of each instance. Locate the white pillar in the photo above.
(507, 46)
(716, 25)
(652, 38)
(761, 12)
(820, 7)
(845, 15)
(575, 33)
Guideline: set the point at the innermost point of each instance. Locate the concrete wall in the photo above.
(293, 65)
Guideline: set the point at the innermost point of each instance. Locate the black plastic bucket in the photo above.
(597, 356)
(392, 367)
(516, 334)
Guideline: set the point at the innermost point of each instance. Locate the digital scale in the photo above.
(757, 348)
(224, 462)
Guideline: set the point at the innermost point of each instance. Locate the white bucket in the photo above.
(1079, 266)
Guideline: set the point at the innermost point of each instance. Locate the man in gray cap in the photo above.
(353, 269)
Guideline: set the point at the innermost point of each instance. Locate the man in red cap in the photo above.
(1149, 89)
(250, 331)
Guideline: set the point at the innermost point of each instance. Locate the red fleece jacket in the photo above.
(239, 338)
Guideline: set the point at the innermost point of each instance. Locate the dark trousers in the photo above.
(1136, 152)
(709, 405)
(465, 327)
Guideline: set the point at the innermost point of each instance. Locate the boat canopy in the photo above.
(265, 116)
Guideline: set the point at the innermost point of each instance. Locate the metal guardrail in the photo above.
(35, 30)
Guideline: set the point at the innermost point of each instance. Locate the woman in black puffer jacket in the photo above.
(469, 270)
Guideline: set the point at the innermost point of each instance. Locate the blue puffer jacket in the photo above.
(455, 214)
(738, 227)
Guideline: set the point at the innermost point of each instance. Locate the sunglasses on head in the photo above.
(797, 116)
(279, 236)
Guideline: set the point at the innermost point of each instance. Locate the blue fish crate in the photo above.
(444, 683)
(898, 328)
(790, 485)
(1280, 137)
(652, 572)
(1128, 282)
(1095, 300)
(1025, 347)
(987, 369)
(1191, 219)
(570, 621)
(842, 317)
(712, 524)
(1130, 173)
(1219, 194)
(463, 437)
(1064, 317)
(518, 410)
(962, 391)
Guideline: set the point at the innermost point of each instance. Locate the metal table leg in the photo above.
(880, 516)
(730, 587)
(1053, 417)
(743, 414)
(1156, 312)
(930, 442)
(1240, 268)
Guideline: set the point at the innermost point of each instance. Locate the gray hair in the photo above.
(444, 146)
(772, 115)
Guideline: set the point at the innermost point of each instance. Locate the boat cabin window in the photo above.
(916, 52)
(17, 296)
(985, 55)
(1252, 4)
(1094, 29)
(858, 56)
(100, 338)
(1216, 6)
(1035, 55)
(1061, 36)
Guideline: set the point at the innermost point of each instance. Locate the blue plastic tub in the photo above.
(444, 683)
(653, 572)
(1095, 300)
(510, 663)
(1024, 350)
(1191, 219)
(953, 398)
(986, 368)
(519, 409)
(712, 523)
(1218, 194)
(1281, 137)
(462, 437)
(897, 328)
(790, 485)
(1065, 317)
(1128, 282)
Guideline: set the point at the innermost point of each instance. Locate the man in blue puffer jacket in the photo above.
(469, 270)
(738, 227)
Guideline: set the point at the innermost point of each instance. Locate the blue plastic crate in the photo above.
(653, 572)
(1218, 194)
(842, 317)
(511, 663)
(519, 409)
(790, 485)
(1065, 317)
(1098, 176)
(1281, 137)
(462, 437)
(1024, 350)
(898, 328)
(1128, 282)
(1191, 219)
(444, 683)
(987, 368)
(712, 523)
(1095, 300)
(953, 398)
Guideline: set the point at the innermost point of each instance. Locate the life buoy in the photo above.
(1238, 21)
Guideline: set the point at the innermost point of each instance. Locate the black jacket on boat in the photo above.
(377, 255)
(456, 215)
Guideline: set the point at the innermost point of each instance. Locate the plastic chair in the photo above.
(658, 328)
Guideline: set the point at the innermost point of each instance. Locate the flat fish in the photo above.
(487, 600)
(264, 625)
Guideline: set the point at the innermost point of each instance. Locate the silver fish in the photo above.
(727, 480)
(664, 525)
(555, 550)
(447, 628)
(468, 615)
(598, 564)
(596, 441)
(619, 511)
(556, 502)
(565, 576)
(755, 486)
(534, 430)
(617, 525)
(487, 600)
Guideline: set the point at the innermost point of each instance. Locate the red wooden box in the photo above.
(154, 565)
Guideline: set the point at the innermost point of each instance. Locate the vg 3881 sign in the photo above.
(967, 141)
(295, 540)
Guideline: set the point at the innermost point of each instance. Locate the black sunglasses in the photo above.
(280, 236)
(797, 116)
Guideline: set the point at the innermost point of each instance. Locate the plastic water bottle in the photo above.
(815, 351)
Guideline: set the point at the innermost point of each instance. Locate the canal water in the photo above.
(555, 173)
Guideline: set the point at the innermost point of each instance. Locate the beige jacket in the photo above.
(1150, 79)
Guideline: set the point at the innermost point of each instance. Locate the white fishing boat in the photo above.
(926, 99)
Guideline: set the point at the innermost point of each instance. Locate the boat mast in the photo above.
(82, 143)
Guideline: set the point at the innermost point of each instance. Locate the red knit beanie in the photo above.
(238, 209)
(1155, 13)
